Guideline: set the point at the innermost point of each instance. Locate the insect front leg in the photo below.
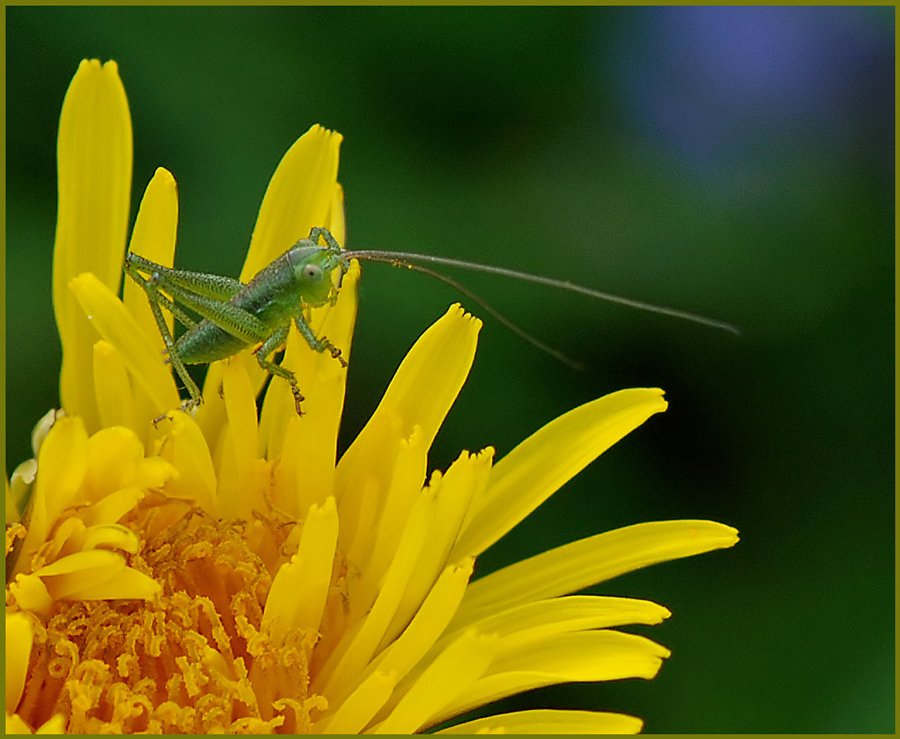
(273, 343)
(318, 231)
(319, 345)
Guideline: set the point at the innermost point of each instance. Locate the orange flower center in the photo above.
(194, 661)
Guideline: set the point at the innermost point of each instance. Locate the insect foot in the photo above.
(336, 353)
(298, 399)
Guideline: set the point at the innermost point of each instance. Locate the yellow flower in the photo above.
(225, 571)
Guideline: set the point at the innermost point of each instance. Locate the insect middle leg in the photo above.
(273, 343)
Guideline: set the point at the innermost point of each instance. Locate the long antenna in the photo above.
(405, 259)
(497, 315)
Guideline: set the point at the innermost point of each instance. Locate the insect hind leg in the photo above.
(155, 298)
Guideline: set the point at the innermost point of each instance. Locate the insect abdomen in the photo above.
(271, 297)
(206, 342)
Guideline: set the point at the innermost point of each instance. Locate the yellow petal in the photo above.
(114, 456)
(186, 450)
(95, 159)
(571, 567)
(115, 400)
(428, 623)
(153, 472)
(126, 584)
(585, 656)
(117, 326)
(12, 508)
(468, 474)
(423, 389)
(240, 443)
(344, 664)
(550, 722)
(111, 536)
(300, 587)
(431, 375)
(74, 572)
(153, 238)
(452, 674)
(571, 613)
(322, 381)
(96, 574)
(549, 458)
(299, 197)
(54, 725)
(109, 509)
(19, 637)
(361, 705)
(30, 594)
(384, 534)
(18, 489)
(62, 466)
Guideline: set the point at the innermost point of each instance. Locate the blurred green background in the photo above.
(732, 161)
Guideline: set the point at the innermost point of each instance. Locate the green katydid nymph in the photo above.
(259, 313)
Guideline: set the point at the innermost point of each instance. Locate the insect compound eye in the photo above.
(312, 273)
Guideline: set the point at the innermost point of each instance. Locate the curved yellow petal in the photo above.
(569, 613)
(117, 326)
(466, 476)
(110, 508)
(358, 650)
(111, 536)
(420, 394)
(62, 466)
(30, 594)
(126, 584)
(18, 489)
(550, 722)
(300, 587)
(571, 567)
(584, 656)
(453, 674)
(98, 563)
(95, 161)
(379, 536)
(322, 381)
(153, 238)
(19, 637)
(298, 198)
(429, 622)
(549, 458)
(96, 574)
(186, 450)
(54, 725)
(238, 461)
(361, 705)
(114, 458)
(115, 399)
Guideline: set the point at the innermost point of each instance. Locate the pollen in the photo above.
(195, 660)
